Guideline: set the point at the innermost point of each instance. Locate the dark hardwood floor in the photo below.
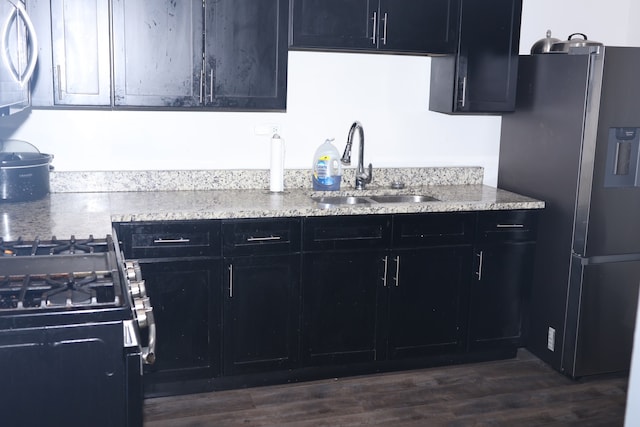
(516, 392)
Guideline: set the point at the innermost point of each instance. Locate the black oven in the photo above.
(73, 317)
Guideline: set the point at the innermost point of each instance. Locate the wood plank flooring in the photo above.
(517, 392)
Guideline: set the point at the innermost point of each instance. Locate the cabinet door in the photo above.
(499, 293)
(427, 292)
(157, 52)
(261, 313)
(245, 54)
(343, 299)
(481, 77)
(421, 26)
(185, 295)
(334, 24)
(81, 52)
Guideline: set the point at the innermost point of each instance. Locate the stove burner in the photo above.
(39, 291)
(53, 246)
(70, 291)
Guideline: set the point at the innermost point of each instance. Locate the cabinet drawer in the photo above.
(518, 225)
(253, 237)
(433, 229)
(170, 239)
(347, 232)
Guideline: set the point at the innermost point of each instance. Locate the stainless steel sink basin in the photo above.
(329, 201)
(402, 198)
(335, 201)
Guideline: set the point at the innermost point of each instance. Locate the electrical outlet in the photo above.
(551, 339)
(266, 129)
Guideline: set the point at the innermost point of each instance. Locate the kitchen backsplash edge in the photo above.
(238, 179)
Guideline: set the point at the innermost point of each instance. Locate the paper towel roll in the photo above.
(276, 176)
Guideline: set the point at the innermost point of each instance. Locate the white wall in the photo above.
(389, 94)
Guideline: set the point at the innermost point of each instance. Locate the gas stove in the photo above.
(73, 315)
(59, 275)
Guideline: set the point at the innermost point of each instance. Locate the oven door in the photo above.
(63, 375)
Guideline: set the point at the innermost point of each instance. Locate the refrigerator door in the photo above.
(614, 216)
(601, 313)
(540, 156)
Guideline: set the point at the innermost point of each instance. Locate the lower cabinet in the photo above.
(186, 307)
(427, 295)
(181, 265)
(502, 279)
(369, 295)
(261, 304)
(261, 313)
(249, 301)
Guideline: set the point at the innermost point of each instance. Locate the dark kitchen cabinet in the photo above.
(481, 76)
(181, 267)
(502, 279)
(430, 265)
(157, 53)
(80, 52)
(385, 295)
(412, 26)
(344, 291)
(245, 54)
(214, 55)
(261, 303)
(226, 54)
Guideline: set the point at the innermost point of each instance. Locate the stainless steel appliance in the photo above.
(573, 142)
(73, 315)
(18, 56)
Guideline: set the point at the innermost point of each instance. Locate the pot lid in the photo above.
(572, 42)
(16, 153)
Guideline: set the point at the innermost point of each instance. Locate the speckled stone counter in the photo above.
(83, 213)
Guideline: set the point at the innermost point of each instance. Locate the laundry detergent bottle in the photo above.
(327, 171)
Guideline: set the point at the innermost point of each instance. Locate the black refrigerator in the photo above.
(573, 142)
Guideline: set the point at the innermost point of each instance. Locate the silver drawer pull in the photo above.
(168, 241)
(264, 239)
(510, 226)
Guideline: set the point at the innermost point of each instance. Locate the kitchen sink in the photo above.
(335, 201)
(402, 198)
(329, 201)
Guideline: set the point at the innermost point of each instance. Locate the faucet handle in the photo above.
(363, 178)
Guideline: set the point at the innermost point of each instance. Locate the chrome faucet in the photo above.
(362, 177)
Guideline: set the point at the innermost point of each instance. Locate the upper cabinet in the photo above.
(211, 54)
(412, 26)
(157, 53)
(80, 51)
(481, 76)
(19, 55)
(245, 54)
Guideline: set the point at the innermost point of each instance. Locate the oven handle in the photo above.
(149, 352)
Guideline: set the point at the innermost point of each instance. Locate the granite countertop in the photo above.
(84, 213)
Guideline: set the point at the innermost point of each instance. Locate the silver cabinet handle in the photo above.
(386, 268)
(211, 85)
(230, 280)
(374, 36)
(172, 241)
(20, 12)
(264, 239)
(61, 92)
(397, 278)
(480, 261)
(202, 83)
(463, 101)
(384, 29)
(510, 226)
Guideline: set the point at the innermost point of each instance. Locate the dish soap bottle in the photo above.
(327, 171)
